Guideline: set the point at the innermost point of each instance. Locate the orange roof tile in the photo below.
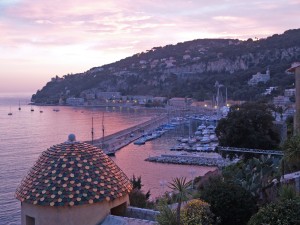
(73, 173)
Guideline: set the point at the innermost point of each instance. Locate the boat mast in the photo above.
(102, 130)
(92, 130)
(226, 97)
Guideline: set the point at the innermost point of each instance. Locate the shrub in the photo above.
(137, 198)
(197, 212)
(285, 212)
(167, 215)
(230, 202)
(287, 192)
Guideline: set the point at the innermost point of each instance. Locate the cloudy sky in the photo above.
(43, 38)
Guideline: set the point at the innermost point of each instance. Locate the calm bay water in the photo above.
(25, 134)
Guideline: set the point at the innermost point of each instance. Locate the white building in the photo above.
(269, 90)
(289, 92)
(74, 101)
(108, 95)
(259, 77)
(180, 102)
(281, 100)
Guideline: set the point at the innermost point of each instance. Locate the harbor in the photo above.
(203, 140)
(111, 143)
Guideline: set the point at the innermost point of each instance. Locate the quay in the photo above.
(252, 151)
(113, 142)
(202, 159)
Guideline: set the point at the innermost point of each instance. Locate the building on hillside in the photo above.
(206, 104)
(233, 102)
(295, 68)
(289, 92)
(160, 99)
(73, 183)
(74, 101)
(142, 99)
(281, 101)
(180, 102)
(108, 95)
(259, 77)
(269, 90)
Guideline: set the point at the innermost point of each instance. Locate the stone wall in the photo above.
(139, 213)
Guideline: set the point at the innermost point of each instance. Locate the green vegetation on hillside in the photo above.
(188, 69)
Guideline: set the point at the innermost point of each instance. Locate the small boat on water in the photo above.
(56, 110)
(140, 141)
(110, 153)
(10, 113)
(19, 106)
(205, 139)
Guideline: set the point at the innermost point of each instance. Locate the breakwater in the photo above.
(111, 143)
(205, 159)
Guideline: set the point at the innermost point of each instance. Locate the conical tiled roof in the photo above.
(73, 173)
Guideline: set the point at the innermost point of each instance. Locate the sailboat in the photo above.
(10, 113)
(19, 106)
(31, 109)
(41, 111)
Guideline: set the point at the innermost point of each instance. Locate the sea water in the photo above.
(26, 134)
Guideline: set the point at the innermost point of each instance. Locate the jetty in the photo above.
(248, 150)
(113, 142)
(202, 159)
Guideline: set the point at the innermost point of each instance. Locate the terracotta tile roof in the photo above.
(73, 173)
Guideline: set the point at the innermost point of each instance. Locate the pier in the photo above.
(113, 142)
(247, 150)
(200, 159)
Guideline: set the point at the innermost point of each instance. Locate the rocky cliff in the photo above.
(188, 69)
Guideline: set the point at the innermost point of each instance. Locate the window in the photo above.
(30, 220)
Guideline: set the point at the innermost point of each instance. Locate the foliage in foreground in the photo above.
(197, 212)
(137, 197)
(255, 175)
(167, 215)
(249, 125)
(230, 202)
(285, 212)
(292, 153)
(180, 187)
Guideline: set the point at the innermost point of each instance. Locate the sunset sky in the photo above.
(43, 38)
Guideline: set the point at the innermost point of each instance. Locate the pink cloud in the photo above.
(67, 31)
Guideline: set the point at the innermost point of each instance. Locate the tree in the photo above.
(197, 212)
(230, 202)
(249, 125)
(181, 188)
(136, 196)
(285, 212)
(291, 149)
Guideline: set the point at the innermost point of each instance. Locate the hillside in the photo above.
(188, 69)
